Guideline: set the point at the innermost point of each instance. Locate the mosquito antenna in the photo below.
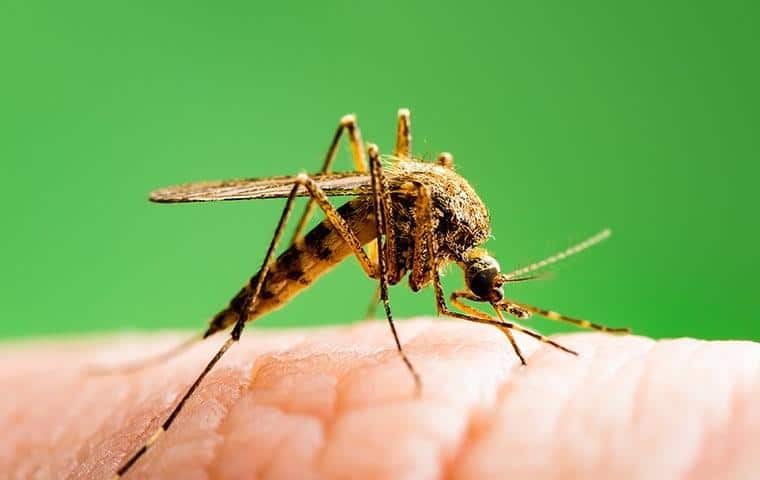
(589, 242)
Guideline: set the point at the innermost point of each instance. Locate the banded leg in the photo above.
(423, 259)
(477, 313)
(511, 338)
(379, 193)
(402, 150)
(524, 311)
(425, 251)
(234, 337)
(519, 313)
(385, 205)
(255, 286)
(444, 310)
(349, 124)
(512, 310)
(551, 315)
(340, 224)
(229, 315)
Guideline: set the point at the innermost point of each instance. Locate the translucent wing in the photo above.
(334, 184)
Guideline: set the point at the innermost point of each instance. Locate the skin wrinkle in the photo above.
(493, 425)
(642, 360)
(646, 383)
(504, 406)
(689, 464)
(714, 435)
(212, 436)
(634, 360)
(587, 358)
(245, 370)
(748, 408)
(323, 422)
(329, 423)
(255, 367)
(578, 402)
(478, 419)
(84, 453)
(690, 356)
(638, 394)
(436, 442)
(138, 405)
(77, 456)
(269, 465)
(438, 404)
(377, 357)
(242, 387)
(632, 414)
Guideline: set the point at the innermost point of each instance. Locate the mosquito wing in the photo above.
(333, 184)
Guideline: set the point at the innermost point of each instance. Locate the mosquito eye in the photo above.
(482, 283)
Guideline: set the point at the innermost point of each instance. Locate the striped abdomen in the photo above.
(319, 251)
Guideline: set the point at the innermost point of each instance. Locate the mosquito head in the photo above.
(482, 274)
(485, 280)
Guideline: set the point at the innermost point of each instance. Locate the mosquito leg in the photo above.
(454, 298)
(386, 207)
(403, 147)
(551, 315)
(234, 335)
(523, 311)
(402, 150)
(477, 313)
(347, 123)
(511, 309)
(230, 315)
(511, 339)
(339, 223)
(423, 262)
(444, 310)
(379, 192)
(423, 258)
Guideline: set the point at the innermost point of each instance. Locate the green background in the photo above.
(567, 117)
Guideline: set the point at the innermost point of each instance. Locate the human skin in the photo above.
(337, 403)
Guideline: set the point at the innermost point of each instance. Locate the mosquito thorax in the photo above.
(460, 218)
(482, 274)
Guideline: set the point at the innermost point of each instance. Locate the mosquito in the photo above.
(413, 217)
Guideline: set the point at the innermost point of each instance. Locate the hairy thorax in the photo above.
(460, 219)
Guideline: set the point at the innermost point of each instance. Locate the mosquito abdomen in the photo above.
(301, 264)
